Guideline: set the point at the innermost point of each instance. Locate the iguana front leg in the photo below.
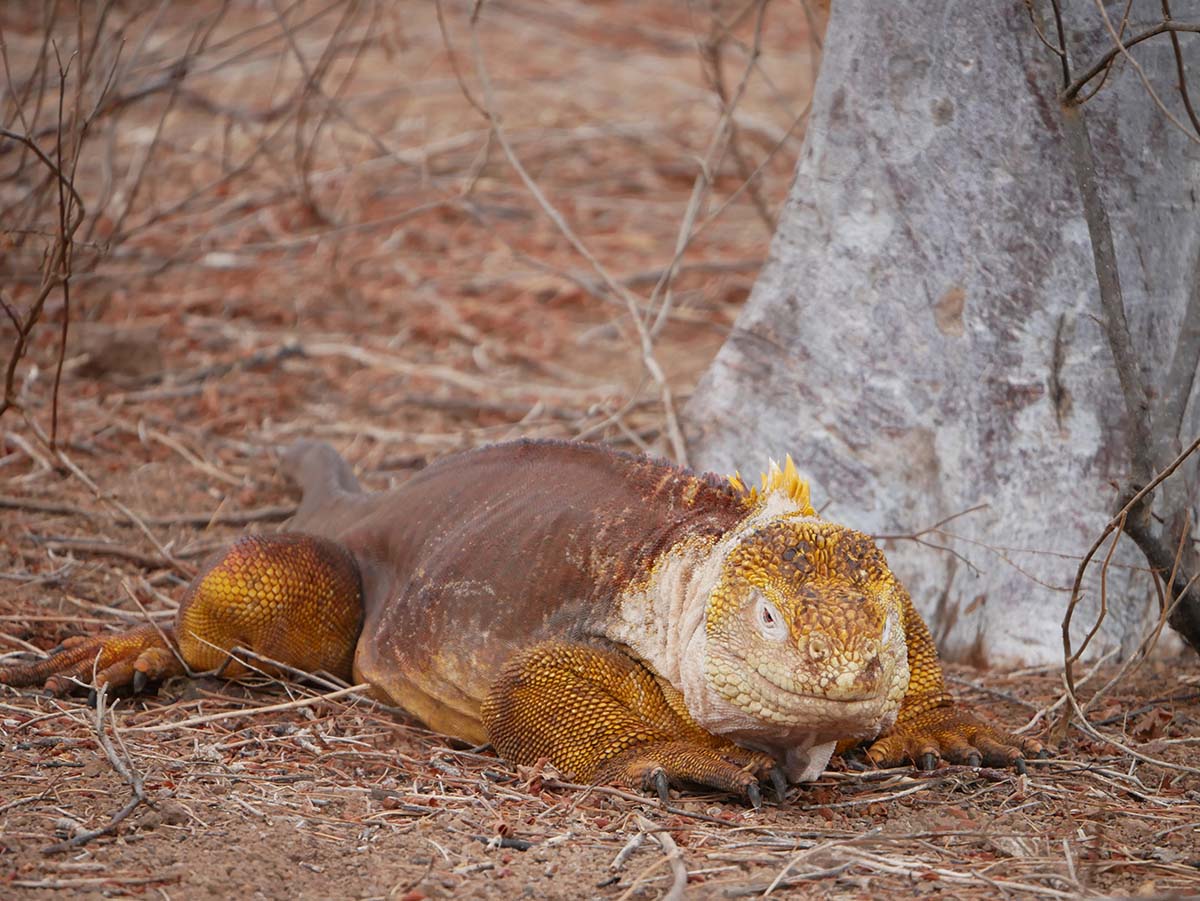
(602, 716)
(292, 598)
(930, 725)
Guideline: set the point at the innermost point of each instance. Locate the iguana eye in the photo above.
(769, 620)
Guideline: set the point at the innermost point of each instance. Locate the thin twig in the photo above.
(674, 433)
(1120, 521)
(360, 688)
(123, 769)
(220, 517)
(1124, 50)
(1180, 70)
(679, 873)
(1122, 47)
(724, 135)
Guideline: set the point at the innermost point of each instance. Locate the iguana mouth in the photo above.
(759, 691)
(791, 690)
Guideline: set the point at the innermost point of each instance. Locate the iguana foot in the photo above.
(955, 735)
(659, 765)
(134, 658)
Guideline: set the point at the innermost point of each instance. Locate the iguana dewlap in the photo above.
(620, 617)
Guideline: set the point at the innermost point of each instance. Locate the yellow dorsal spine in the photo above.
(775, 479)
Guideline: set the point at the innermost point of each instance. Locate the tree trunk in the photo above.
(926, 336)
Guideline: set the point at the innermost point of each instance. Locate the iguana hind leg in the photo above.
(602, 716)
(292, 598)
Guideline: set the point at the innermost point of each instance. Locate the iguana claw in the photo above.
(779, 783)
(656, 767)
(951, 733)
(855, 758)
(754, 795)
(662, 785)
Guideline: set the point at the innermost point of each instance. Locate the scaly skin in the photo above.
(621, 618)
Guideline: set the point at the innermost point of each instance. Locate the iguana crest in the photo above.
(786, 480)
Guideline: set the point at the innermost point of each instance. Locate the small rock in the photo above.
(174, 813)
(65, 827)
(169, 813)
(119, 351)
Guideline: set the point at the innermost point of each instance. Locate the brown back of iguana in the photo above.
(490, 552)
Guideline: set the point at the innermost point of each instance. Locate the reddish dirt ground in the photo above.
(298, 225)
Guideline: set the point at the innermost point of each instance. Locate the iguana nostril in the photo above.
(819, 646)
(873, 670)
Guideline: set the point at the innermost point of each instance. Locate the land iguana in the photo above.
(623, 618)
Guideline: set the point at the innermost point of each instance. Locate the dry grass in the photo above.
(308, 230)
(337, 793)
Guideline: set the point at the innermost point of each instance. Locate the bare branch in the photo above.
(1122, 47)
(713, 53)
(1180, 70)
(65, 236)
(1112, 304)
(1151, 439)
(1186, 616)
(49, 163)
(123, 769)
(1161, 560)
(674, 433)
(1064, 61)
(724, 136)
(57, 268)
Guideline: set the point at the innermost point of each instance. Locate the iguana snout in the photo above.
(807, 611)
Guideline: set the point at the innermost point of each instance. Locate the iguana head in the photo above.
(805, 622)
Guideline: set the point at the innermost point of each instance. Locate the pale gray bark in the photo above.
(925, 337)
